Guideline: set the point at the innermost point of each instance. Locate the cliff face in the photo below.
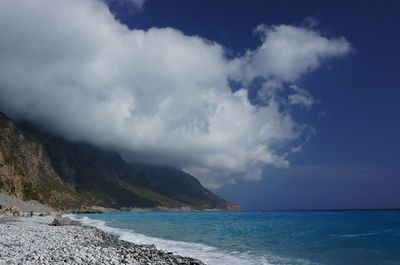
(38, 166)
(26, 171)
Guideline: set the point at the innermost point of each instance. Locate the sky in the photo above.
(275, 105)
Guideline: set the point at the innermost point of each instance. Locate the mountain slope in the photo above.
(25, 170)
(43, 167)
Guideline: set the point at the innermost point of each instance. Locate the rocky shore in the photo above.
(32, 240)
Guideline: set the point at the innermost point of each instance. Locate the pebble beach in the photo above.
(32, 240)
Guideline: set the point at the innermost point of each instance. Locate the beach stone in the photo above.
(63, 221)
(32, 241)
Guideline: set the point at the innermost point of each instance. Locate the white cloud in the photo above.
(288, 52)
(155, 95)
(128, 5)
(138, 3)
(300, 97)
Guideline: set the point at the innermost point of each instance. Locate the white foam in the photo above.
(209, 255)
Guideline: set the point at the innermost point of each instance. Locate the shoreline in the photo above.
(31, 240)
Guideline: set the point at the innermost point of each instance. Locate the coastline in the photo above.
(31, 240)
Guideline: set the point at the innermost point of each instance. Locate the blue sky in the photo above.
(352, 161)
(271, 104)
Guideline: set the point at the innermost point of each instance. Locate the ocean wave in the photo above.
(208, 254)
(374, 233)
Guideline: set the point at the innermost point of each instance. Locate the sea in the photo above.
(258, 238)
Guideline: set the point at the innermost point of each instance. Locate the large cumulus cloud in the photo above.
(156, 95)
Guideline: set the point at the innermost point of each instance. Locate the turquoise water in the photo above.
(333, 238)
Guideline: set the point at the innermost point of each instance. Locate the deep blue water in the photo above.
(333, 238)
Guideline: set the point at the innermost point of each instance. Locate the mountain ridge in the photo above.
(37, 165)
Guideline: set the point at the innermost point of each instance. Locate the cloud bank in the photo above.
(156, 95)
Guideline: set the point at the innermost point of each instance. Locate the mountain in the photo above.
(36, 165)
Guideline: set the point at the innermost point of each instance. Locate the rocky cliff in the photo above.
(35, 165)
